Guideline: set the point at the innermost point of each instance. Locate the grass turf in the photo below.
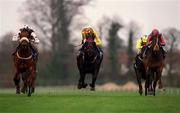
(73, 101)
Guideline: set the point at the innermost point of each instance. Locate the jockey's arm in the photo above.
(138, 44)
(163, 42)
(83, 37)
(97, 39)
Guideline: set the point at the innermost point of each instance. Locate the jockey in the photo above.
(155, 33)
(140, 43)
(32, 37)
(89, 35)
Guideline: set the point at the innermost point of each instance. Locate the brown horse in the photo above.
(153, 62)
(24, 66)
(88, 63)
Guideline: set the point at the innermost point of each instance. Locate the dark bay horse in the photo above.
(25, 66)
(88, 63)
(141, 72)
(153, 62)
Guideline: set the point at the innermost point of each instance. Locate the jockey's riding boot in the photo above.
(80, 53)
(100, 52)
(34, 52)
(135, 62)
(34, 55)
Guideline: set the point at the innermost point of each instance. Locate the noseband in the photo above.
(23, 58)
(17, 54)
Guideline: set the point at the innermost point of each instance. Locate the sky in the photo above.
(148, 14)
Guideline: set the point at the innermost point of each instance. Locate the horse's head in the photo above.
(156, 44)
(24, 33)
(89, 49)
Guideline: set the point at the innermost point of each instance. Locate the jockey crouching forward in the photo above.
(155, 33)
(141, 42)
(90, 35)
(32, 38)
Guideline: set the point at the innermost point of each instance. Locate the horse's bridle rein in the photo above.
(23, 58)
(17, 54)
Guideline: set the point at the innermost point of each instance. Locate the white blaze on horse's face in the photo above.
(156, 47)
(24, 39)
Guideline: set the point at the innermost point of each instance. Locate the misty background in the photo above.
(58, 24)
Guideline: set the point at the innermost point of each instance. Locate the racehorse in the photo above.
(153, 62)
(25, 66)
(88, 63)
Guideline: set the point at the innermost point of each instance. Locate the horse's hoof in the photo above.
(23, 90)
(29, 95)
(145, 93)
(84, 85)
(92, 89)
(33, 90)
(141, 92)
(79, 86)
(91, 85)
(17, 92)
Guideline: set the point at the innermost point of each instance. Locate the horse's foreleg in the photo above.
(84, 85)
(139, 83)
(160, 83)
(157, 77)
(30, 82)
(16, 82)
(81, 83)
(146, 87)
(24, 88)
(94, 77)
(138, 77)
(33, 83)
(147, 82)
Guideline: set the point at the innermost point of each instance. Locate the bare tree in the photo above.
(6, 67)
(172, 37)
(133, 29)
(53, 18)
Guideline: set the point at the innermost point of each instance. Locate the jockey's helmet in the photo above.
(87, 31)
(155, 32)
(25, 28)
(144, 38)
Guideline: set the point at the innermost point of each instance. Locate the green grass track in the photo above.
(83, 101)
